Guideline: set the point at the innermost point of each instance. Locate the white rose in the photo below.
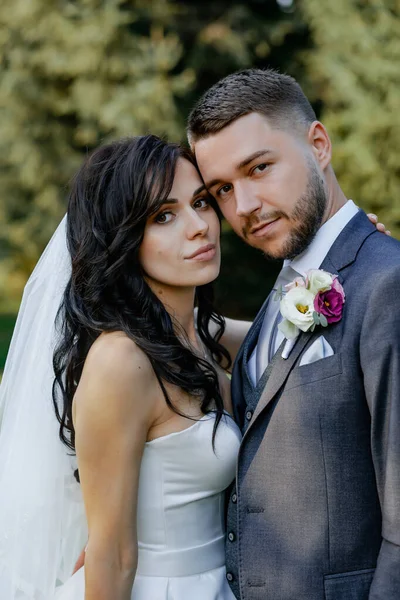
(319, 281)
(289, 330)
(297, 307)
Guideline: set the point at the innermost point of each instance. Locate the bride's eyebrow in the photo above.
(176, 201)
(199, 190)
(169, 201)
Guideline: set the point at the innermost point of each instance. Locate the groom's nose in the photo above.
(247, 202)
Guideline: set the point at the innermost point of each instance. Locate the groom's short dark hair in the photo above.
(276, 96)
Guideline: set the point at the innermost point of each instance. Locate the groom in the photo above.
(315, 514)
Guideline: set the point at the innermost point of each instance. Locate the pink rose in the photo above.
(330, 303)
(297, 282)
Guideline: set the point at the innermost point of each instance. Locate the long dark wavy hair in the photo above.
(118, 187)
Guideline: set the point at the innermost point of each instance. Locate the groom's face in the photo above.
(267, 183)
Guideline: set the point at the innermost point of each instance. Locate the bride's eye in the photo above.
(164, 217)
(201, 203)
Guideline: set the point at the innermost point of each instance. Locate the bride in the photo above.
(141, 393)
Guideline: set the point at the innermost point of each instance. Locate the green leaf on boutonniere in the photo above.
(316, 318)
(323, 320)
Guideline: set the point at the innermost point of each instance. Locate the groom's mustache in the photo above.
(255, 222)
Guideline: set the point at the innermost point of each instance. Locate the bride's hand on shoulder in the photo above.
(380, 226)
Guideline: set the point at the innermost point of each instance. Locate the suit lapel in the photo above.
(342, 254)
(347, 245)
(280, 370)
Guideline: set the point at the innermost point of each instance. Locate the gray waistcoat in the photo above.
(250, 398)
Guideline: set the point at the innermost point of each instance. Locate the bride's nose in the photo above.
(196, 225)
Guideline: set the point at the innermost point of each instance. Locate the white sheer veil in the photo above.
(42, 521)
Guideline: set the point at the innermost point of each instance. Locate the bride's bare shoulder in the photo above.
(115, 352)
(116, 368)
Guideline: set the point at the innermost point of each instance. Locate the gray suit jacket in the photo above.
(315, 514)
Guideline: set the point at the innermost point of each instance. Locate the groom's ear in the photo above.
(321, 144)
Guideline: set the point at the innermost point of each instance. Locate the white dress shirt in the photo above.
(311, 258)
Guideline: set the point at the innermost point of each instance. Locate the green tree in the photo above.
(353, 69)
(74, 73)
(226, 35)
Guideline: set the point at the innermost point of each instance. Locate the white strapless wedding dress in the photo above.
(181, 531)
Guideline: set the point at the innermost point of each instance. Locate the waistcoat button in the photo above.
(229, 577)
(249, 414)
(234, 498)
(231, 536)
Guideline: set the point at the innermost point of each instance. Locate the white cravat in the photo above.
(270, 337)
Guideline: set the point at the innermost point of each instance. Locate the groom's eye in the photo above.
(224, 189)
(260, 168)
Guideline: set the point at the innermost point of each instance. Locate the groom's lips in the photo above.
(264, 228)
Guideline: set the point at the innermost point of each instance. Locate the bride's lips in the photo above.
(204, 253)
(263, 229)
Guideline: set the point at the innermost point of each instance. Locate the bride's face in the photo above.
(180, 246)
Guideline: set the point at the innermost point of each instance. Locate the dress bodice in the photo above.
(180, 516)
(181, 501)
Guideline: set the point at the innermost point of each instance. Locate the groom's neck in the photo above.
(336, 197)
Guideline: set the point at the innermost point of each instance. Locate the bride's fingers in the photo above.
(380, 226)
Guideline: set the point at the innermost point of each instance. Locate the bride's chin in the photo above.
(209, 277)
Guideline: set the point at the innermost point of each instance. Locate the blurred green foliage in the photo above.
(355, 74)
(7, 323)
(75, 73)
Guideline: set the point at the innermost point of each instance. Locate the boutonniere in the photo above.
(309, 301)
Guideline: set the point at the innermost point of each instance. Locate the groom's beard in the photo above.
(308, 212)
(306, 217)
